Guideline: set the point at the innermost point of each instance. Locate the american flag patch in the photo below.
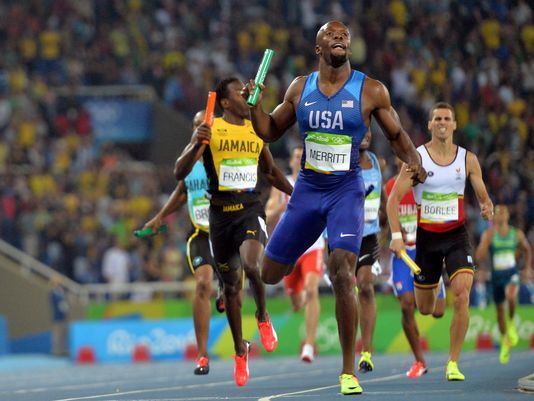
(347, 104)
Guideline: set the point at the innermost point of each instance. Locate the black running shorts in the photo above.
(198, 250)
(434, 249)
(230, 226)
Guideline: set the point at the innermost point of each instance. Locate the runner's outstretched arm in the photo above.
(389, 121)
(192, 152)
(274, 175)
(474, 172)
(270, 127)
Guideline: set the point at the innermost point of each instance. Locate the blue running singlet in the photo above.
(329, 191)
(372, 177)
(196, 183)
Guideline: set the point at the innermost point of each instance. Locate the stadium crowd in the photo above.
(73, 205)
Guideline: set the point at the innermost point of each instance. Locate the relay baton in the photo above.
(210, 107)
(146, 232)
(260, 76)
(409, 261)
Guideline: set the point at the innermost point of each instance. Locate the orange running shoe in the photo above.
(418, 369)
(203, 366)
(268, 336)
(241, 367)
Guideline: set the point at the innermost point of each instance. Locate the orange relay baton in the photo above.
(210, 108)
(409, 261)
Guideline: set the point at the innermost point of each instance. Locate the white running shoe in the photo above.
(307, 353)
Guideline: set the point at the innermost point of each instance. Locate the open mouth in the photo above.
(338, 46)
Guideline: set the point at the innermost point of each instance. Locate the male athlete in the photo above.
(333, 107)
(441, 233)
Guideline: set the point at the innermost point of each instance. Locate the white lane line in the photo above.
(190, 386)
(376, 380)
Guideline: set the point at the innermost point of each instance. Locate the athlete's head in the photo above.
(333, 43)
(295, 159)
(501, 215)
(229, 97)
(366, 141)
(199, 118)
(442, 120)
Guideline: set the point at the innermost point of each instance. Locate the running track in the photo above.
(279, 378)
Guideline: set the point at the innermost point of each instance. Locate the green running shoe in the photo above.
(504, 355)
(349, 384)
(453, 373)
(365, 364)
(512, 334)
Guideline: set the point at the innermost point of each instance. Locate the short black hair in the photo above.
(222, 89)
(441, 105)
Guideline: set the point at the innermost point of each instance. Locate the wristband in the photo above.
(396, 235)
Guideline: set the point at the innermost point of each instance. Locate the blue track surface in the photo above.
(270, 378)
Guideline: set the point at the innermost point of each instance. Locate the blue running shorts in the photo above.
(402, 276)
(319, 201)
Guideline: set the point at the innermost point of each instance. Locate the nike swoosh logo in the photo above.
(347, 235)
(363, 257)
(309, 104)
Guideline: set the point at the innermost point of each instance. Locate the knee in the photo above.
(407, 311)
(311, 293)
(203, 288)
(425, 309)
(268, 276)
(342, 280)
(231, 290)
(366, 291)
(461, 300)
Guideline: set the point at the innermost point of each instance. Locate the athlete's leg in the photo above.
(366, 297)
(511, 297)
(251, 252)
(501, 318)
(312, 307)
(461, 286)
(232, 278)
(441, 302)
(426, 299)
(341, 266)
(294, 285)
(202, 307)
(409, 325)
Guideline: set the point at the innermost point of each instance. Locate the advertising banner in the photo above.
(124, 121)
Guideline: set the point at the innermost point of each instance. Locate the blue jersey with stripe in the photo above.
(196, 183)
(331, 121)
(372, 177)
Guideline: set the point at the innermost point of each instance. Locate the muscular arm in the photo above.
(382, 212)
(402, 185)
(192, 152)
(177, 199)
(474, 173)
(481, 252)
(271, 127)
(274, 208)
(275, 177)
(377, 95)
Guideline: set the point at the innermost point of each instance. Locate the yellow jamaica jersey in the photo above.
(231, 160)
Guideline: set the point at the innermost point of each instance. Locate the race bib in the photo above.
(371, 206)
(503, 260)
(409, 225)
(439, 208)
(327, 152)
(201, 212)
(238, 173)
